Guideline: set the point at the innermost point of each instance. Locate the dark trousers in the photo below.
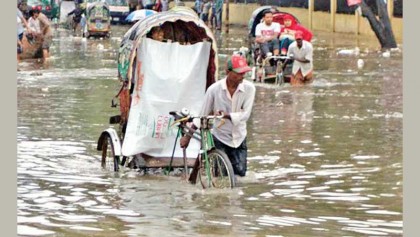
(269, 46)
(237, 156)
(284, 44)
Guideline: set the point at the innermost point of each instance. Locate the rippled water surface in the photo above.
(324, 159)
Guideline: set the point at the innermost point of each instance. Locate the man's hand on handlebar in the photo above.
(185, 141)
(225, 115)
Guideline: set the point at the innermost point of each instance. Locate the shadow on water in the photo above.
(324, 159)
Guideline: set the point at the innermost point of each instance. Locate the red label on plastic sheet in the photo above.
(353, 2)
(161, 124)
(140, 78)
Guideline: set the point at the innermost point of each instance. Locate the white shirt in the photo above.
(304, 52)
(267, 31)
(165, 5)
(34, 25)
(232, 132)
(20, 28)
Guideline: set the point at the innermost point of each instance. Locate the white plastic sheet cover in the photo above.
(168, 77)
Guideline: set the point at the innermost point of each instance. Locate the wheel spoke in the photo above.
(221, 171)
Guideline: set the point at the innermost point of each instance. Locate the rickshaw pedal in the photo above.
(115, 119)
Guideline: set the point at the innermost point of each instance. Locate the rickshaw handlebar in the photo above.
(182, 117)
(186, 117)
(179, 115)
(277, 57)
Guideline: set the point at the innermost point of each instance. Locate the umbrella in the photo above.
(138, 15)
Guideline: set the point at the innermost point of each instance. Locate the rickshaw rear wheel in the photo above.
(109, 160)
(279, 73)
(280, 79)
(219, 173)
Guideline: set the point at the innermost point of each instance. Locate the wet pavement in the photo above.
(324, 159)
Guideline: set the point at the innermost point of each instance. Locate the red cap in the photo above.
(238, 64)
(298, 35)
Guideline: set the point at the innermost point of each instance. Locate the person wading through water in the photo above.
(301, 52)
(233, 97)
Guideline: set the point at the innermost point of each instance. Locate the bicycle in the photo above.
(212, 165)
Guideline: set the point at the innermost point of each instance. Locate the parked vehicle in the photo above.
(119, 10)
(98, 20)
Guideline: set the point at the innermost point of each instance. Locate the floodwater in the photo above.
(324, 159)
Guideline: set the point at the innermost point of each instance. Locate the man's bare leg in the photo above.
(297, 79)
(45, 54)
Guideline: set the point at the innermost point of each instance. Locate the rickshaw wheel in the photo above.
(219, 173)
(109, 160)
(279, 74)
(280, 79)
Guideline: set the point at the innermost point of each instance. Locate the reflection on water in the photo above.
(325, 159)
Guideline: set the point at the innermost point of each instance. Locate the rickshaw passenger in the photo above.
(267, 33)
(234, 97)
(287, 34)
(157, 33)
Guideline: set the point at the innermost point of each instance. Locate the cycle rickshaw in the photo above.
(271, 67)
(98, 20)
(158, 79)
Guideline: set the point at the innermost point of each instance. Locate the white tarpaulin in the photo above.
(168, 77)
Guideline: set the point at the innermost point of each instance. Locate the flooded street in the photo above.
(324, 159)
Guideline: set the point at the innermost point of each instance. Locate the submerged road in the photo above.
(324, 159)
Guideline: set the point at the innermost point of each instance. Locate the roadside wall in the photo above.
(239, 14)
